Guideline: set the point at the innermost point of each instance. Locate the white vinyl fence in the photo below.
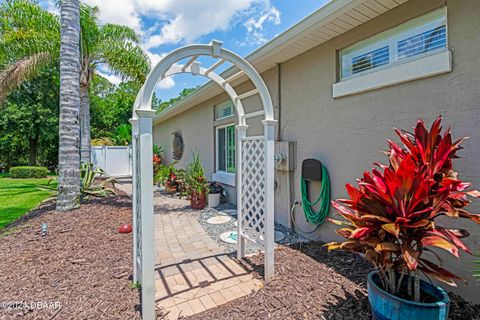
(116, 161)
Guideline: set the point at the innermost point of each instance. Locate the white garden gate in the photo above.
(116, 161)
(255, 162)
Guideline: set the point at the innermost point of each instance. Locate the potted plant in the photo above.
(157, 160)
(214, 194)
(157, 154)
(180, 181)
(391, 218)
(170, 183)
(166, 175)
(196, 183)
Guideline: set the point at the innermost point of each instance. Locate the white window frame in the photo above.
(223, 176)
(222, 105)
(418, 66)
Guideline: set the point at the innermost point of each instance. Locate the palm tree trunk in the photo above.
(69, 129)
(85, 123)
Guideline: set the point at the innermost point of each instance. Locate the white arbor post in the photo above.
(241, 134)
(134, 123)
(145, 206)
(269, 132)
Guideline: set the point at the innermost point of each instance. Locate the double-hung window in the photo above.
(418, 38)
(226, 148)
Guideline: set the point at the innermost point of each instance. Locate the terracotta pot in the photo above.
(198, 201)
(170, 189)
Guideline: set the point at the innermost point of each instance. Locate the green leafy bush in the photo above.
(28, 172)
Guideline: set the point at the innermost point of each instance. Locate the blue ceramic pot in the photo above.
(386, 306)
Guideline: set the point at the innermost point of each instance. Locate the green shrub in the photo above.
(28, 172)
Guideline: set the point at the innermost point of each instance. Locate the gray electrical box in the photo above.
(285, 156)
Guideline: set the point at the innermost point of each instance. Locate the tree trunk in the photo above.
(85, 123)
(32, 151)
(69, 129)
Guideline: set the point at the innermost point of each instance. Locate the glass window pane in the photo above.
(370, 60)
(221, 149)
(231, 148)
(424, 35)
(427, 41)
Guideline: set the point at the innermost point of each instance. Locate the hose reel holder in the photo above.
(314, 171)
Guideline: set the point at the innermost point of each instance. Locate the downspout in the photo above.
(279, 101)
(290, 174)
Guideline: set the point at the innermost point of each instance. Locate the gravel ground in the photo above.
(215, 230)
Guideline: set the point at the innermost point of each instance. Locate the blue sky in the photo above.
(242, 25)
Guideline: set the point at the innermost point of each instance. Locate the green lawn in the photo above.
(18, 196)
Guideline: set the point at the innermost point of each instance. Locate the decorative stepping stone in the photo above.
(231, 212)
(219, 219)
(279, 236)
(229, 237)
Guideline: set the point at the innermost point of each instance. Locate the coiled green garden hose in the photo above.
(319, 216)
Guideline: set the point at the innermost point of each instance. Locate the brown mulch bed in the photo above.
(82, 265)
(85, 266)
(312, 283)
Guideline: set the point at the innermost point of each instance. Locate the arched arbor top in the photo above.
(168, 66)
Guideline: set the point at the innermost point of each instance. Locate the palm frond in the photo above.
(15, 74)
(30, 39)
(125, 59)
(90, 30)
(118, 33)
(25, 14)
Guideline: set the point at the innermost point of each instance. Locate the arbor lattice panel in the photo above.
(253, 189)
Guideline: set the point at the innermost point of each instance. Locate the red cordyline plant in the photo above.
(391, 216)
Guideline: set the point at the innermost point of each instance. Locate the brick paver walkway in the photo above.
(193, 272)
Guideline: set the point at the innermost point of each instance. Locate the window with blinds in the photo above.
(422, 36)
(224, 110)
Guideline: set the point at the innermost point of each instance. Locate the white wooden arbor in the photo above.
(254, 162)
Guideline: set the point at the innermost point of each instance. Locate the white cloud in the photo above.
(182, 21)
(188, 20)
(116, 80)
(50, 6)
(118, 11)
(255, 24)
(166, 83)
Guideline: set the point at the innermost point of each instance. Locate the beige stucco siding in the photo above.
(348, 134)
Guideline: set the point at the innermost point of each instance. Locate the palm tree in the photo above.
(33, 42)
(69, 134)
(111, 45)
(29, 40)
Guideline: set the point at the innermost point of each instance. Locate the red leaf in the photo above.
(452, 237)
(410, 256)
(474, 193)
(392, 228)
(440, 242)
(360, 232)
(438, 272)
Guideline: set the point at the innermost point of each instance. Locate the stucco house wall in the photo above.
(348, 134)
